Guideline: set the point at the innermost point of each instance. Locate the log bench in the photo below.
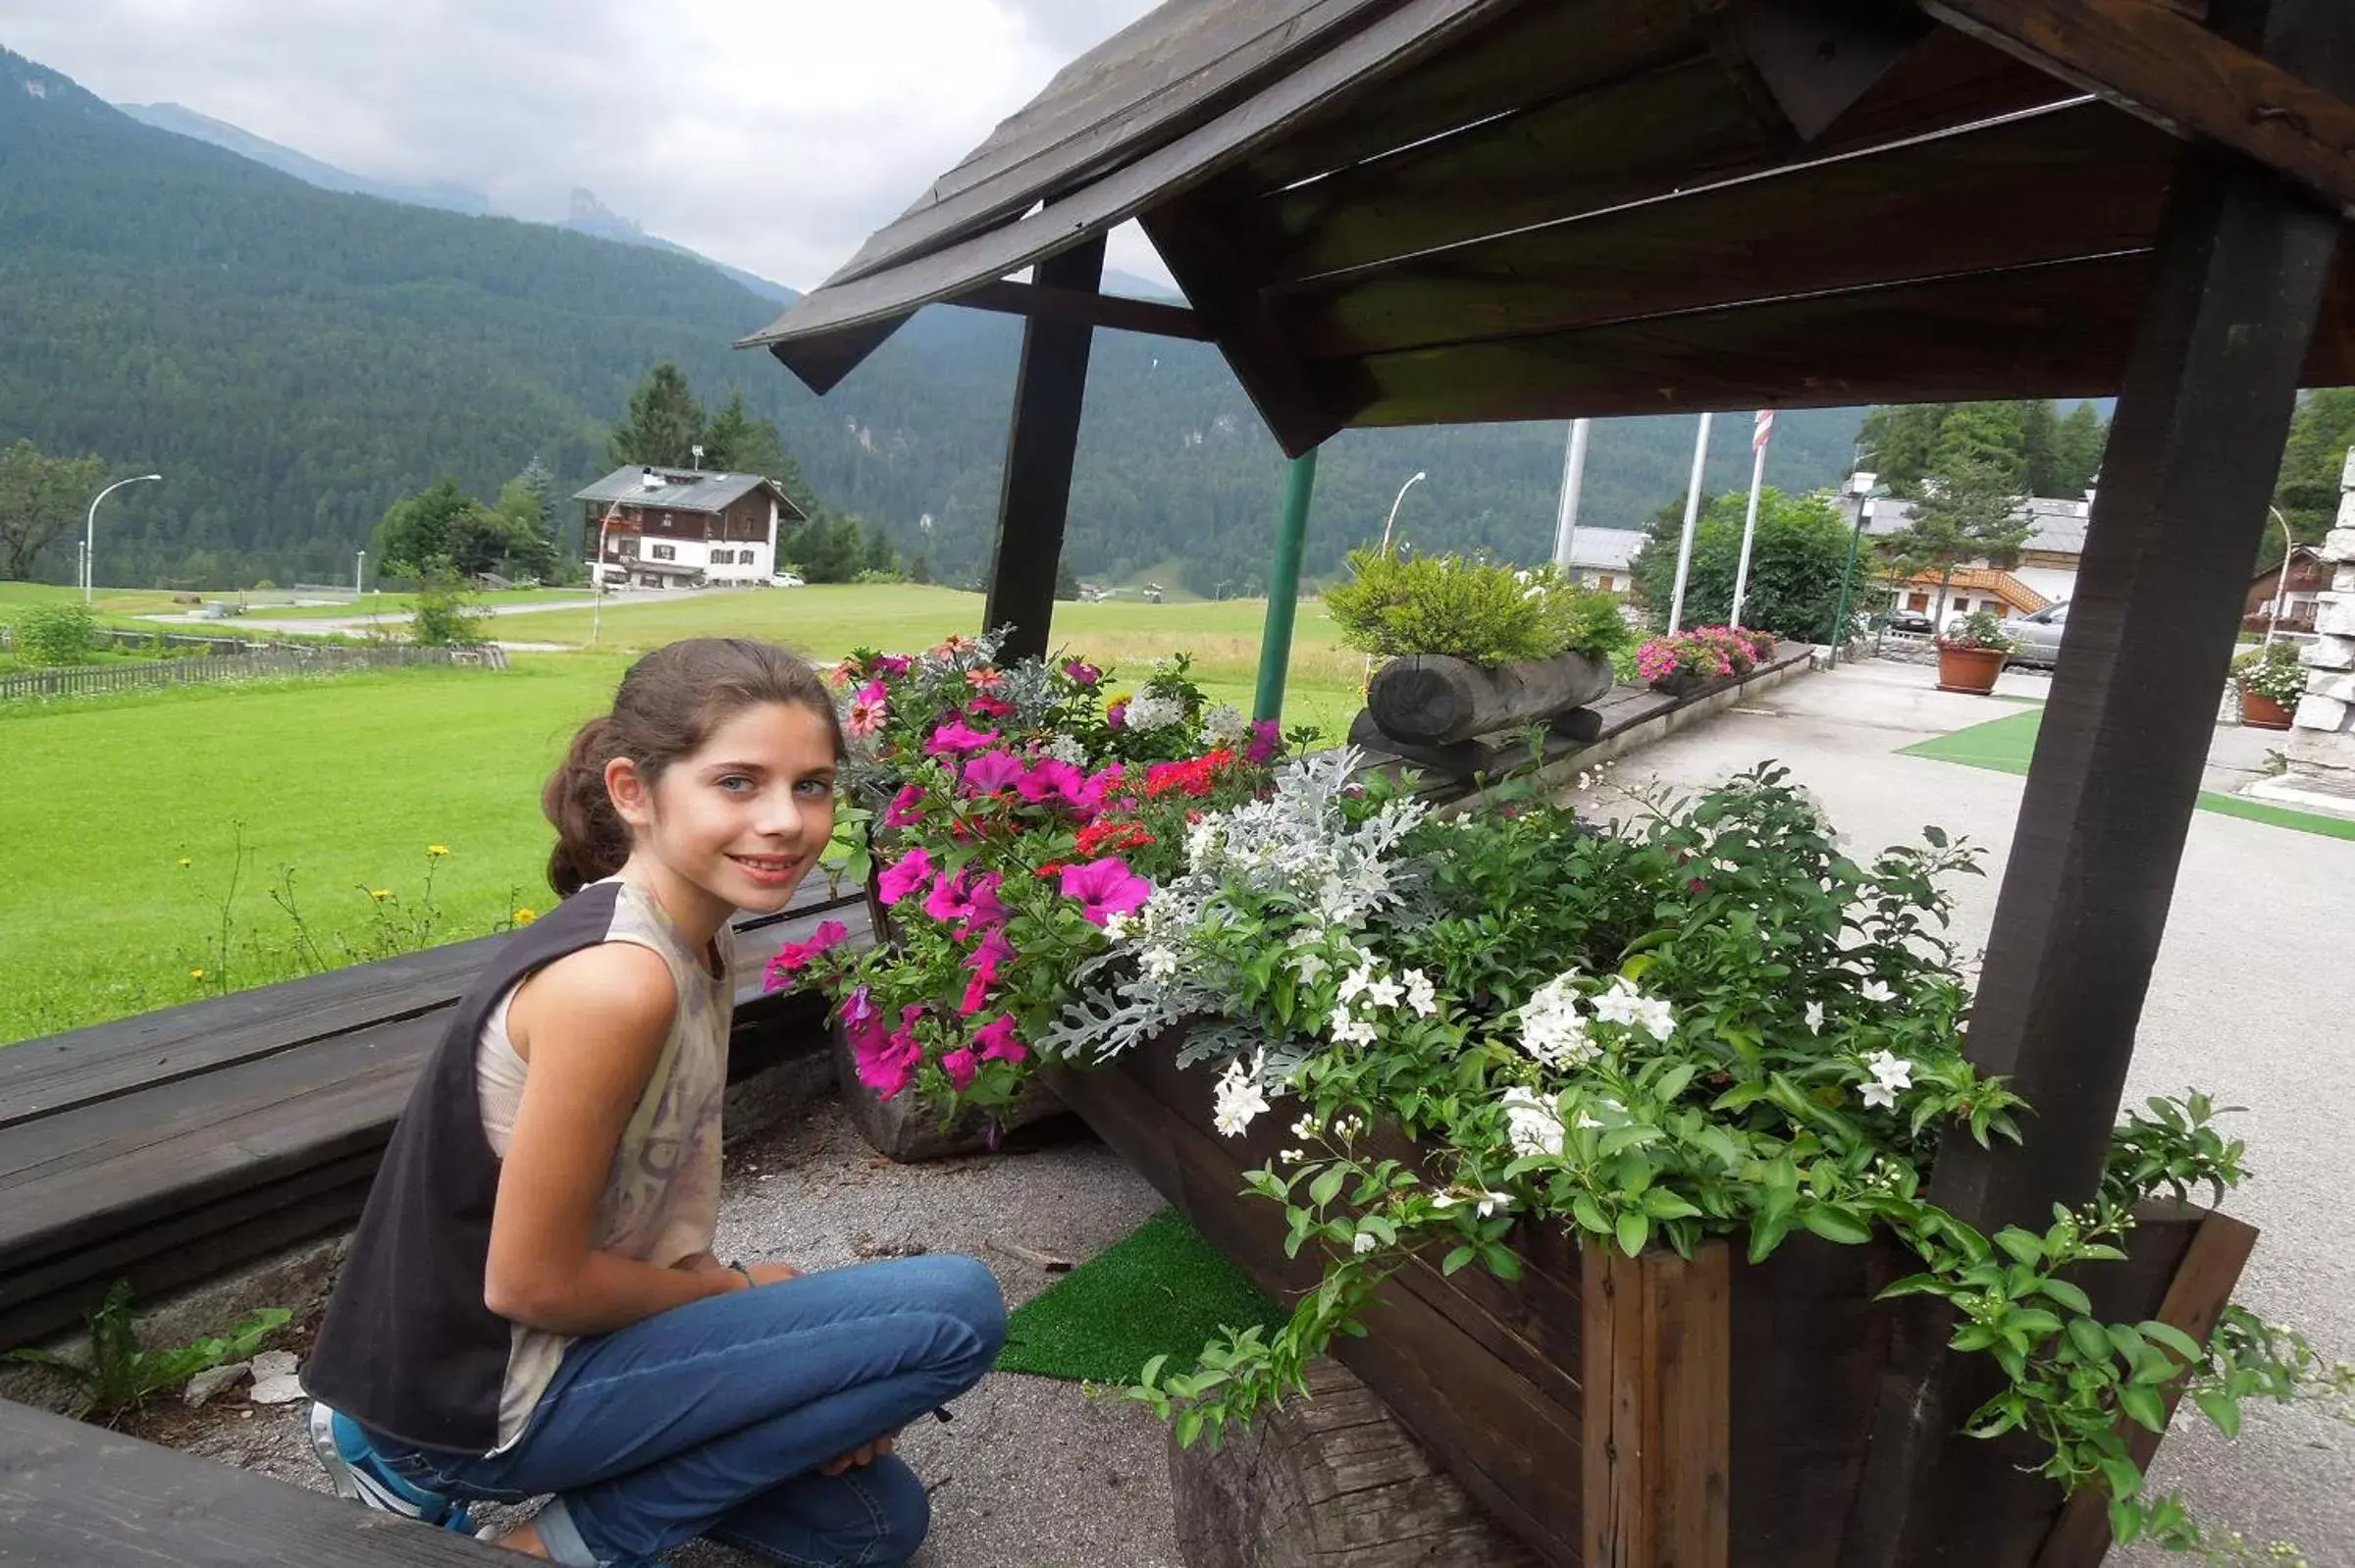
(175, 1145)
(73, 1496)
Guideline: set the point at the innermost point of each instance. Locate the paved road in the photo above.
(2254, 999)
(387, 618)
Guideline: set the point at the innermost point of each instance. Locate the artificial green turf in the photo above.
(1163, 1291)
(2005, 746)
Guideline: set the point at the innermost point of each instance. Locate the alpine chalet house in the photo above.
(683, 528)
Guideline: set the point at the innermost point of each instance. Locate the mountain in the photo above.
(590, 216)
(294, 359)
(186, 122)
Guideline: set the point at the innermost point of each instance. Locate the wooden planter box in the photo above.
(1735, 1404)
(1970, 670)
(2261, 712)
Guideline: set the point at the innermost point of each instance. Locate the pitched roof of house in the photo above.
(1606, 550)
(2300, 553)
(2058, 525)
(680, 490)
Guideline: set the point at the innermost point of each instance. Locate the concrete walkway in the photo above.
(2249, 1002)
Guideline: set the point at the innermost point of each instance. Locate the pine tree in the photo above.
(41, 497)
(664, 426)
(1979, 434)
(1967, 511)
(1896, 442)
(2039, 448)
(2078, 445)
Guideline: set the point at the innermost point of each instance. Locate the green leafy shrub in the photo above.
(57, 634)
(2274, 671)
(445, 615)
(121, 1375)
(1480, 612)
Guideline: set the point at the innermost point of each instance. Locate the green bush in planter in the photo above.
(1483, 612)
(2275, 672)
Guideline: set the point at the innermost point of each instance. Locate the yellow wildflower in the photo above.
(379, 894)
(437, 849)
(185, 862)
(525, 917)
(196, 975)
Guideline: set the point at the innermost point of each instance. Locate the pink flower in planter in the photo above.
(956, 737)
(987, 706)
(1090, 796)
(970, 897)
(862, 1019)
(887, 1068)
(893, 663)
(992, 771)
(1081, 673)
(997, 1041)
(867, 714)
(910, 873)
(985, 911)
(1105, 888)
(1117, 715)
(904, 811)
(988, 960)
(795, 957)
(1267, 742)
(975, 998)
(1050, 780)
(960, 1065)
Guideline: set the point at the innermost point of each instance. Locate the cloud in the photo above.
(773, 136)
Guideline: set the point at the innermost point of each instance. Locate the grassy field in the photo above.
(380, 603)
(348, 780)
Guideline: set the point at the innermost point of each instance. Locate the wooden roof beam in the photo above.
(1118, 311)
(2154, 61)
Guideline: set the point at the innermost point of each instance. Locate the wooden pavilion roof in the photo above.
(1391, 212)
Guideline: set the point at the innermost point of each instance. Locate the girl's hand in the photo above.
(772, 1272)
(867, 1453)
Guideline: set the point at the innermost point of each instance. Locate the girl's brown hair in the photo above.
(668, 705)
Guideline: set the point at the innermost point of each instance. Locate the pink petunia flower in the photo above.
(997, 1040)
(960, 1065)
(888, 1067)
(1081, 673)
(989, 960)
(988, 706)
(1267, 742)
(903, 810)
(795, 957)
(992, 771)
(984, 909)
(1117, 715)
(1050, 780)
(975, 998)
(910, 873)
(862, 1019)
(956, 737)
(1105, 888)
(893, 663)
(951, 898)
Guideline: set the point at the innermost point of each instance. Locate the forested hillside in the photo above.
(295, 359)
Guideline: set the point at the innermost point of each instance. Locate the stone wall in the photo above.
(2322, 742)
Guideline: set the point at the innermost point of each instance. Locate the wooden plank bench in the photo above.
(73, 1496)
(174, 1146)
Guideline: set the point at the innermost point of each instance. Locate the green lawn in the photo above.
(2005, 745)
(348, 779)
(378, 603)
(114, 606)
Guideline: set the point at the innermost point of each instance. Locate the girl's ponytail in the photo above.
(592, 840)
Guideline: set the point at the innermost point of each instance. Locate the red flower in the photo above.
(1197, 777)
(1105, 838)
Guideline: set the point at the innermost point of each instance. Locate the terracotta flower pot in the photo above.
(2260, 712)
(1970, 670)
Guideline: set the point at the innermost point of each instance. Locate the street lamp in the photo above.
(90, 532)
(1394, 518)
(1860, 486)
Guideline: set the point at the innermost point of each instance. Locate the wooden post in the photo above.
(1035, 491)
(1656, 1355)
(2235, 294)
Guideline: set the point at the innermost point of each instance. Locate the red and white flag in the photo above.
(1761, 429)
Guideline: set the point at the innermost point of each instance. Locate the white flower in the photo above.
(1355, 983)
(1551, 1028)
(1161, 963)
(1383, 993)
(1879, 1096)
(1444, 1200)
(1306, 1127)
(1066, 749)
(1364, 1243)
(1490, 1202)
(1347, 1030)
(1238, 1098)
(1877, 991)
(1521, 577)
(1308, 964)
(1814, 1017)
(1120, 927)
(1532, 1123)
(1656, 1018)
(1292, 1156)
(1223, 724)
(1420, 994)
(1618, 1001)
(1347, 1126)
(1148, 710)
(1891, 1069)
(1586, 1122)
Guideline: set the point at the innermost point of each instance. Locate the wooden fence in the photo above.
(268, 663)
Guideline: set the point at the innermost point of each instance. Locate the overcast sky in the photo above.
(772, 135)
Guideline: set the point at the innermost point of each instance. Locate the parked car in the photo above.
(1909, 620)
(787, 580)
(2038, 636)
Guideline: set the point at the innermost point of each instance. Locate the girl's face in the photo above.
(740, 820)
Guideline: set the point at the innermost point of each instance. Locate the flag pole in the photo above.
(1761, 428)
(1684, 548)
(1574, 474)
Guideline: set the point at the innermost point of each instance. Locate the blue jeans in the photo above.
(713, 1418)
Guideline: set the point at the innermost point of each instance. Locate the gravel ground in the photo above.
(2250, 1001)
(1032, 1473)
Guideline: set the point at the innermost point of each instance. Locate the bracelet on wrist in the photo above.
(749, 1284)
